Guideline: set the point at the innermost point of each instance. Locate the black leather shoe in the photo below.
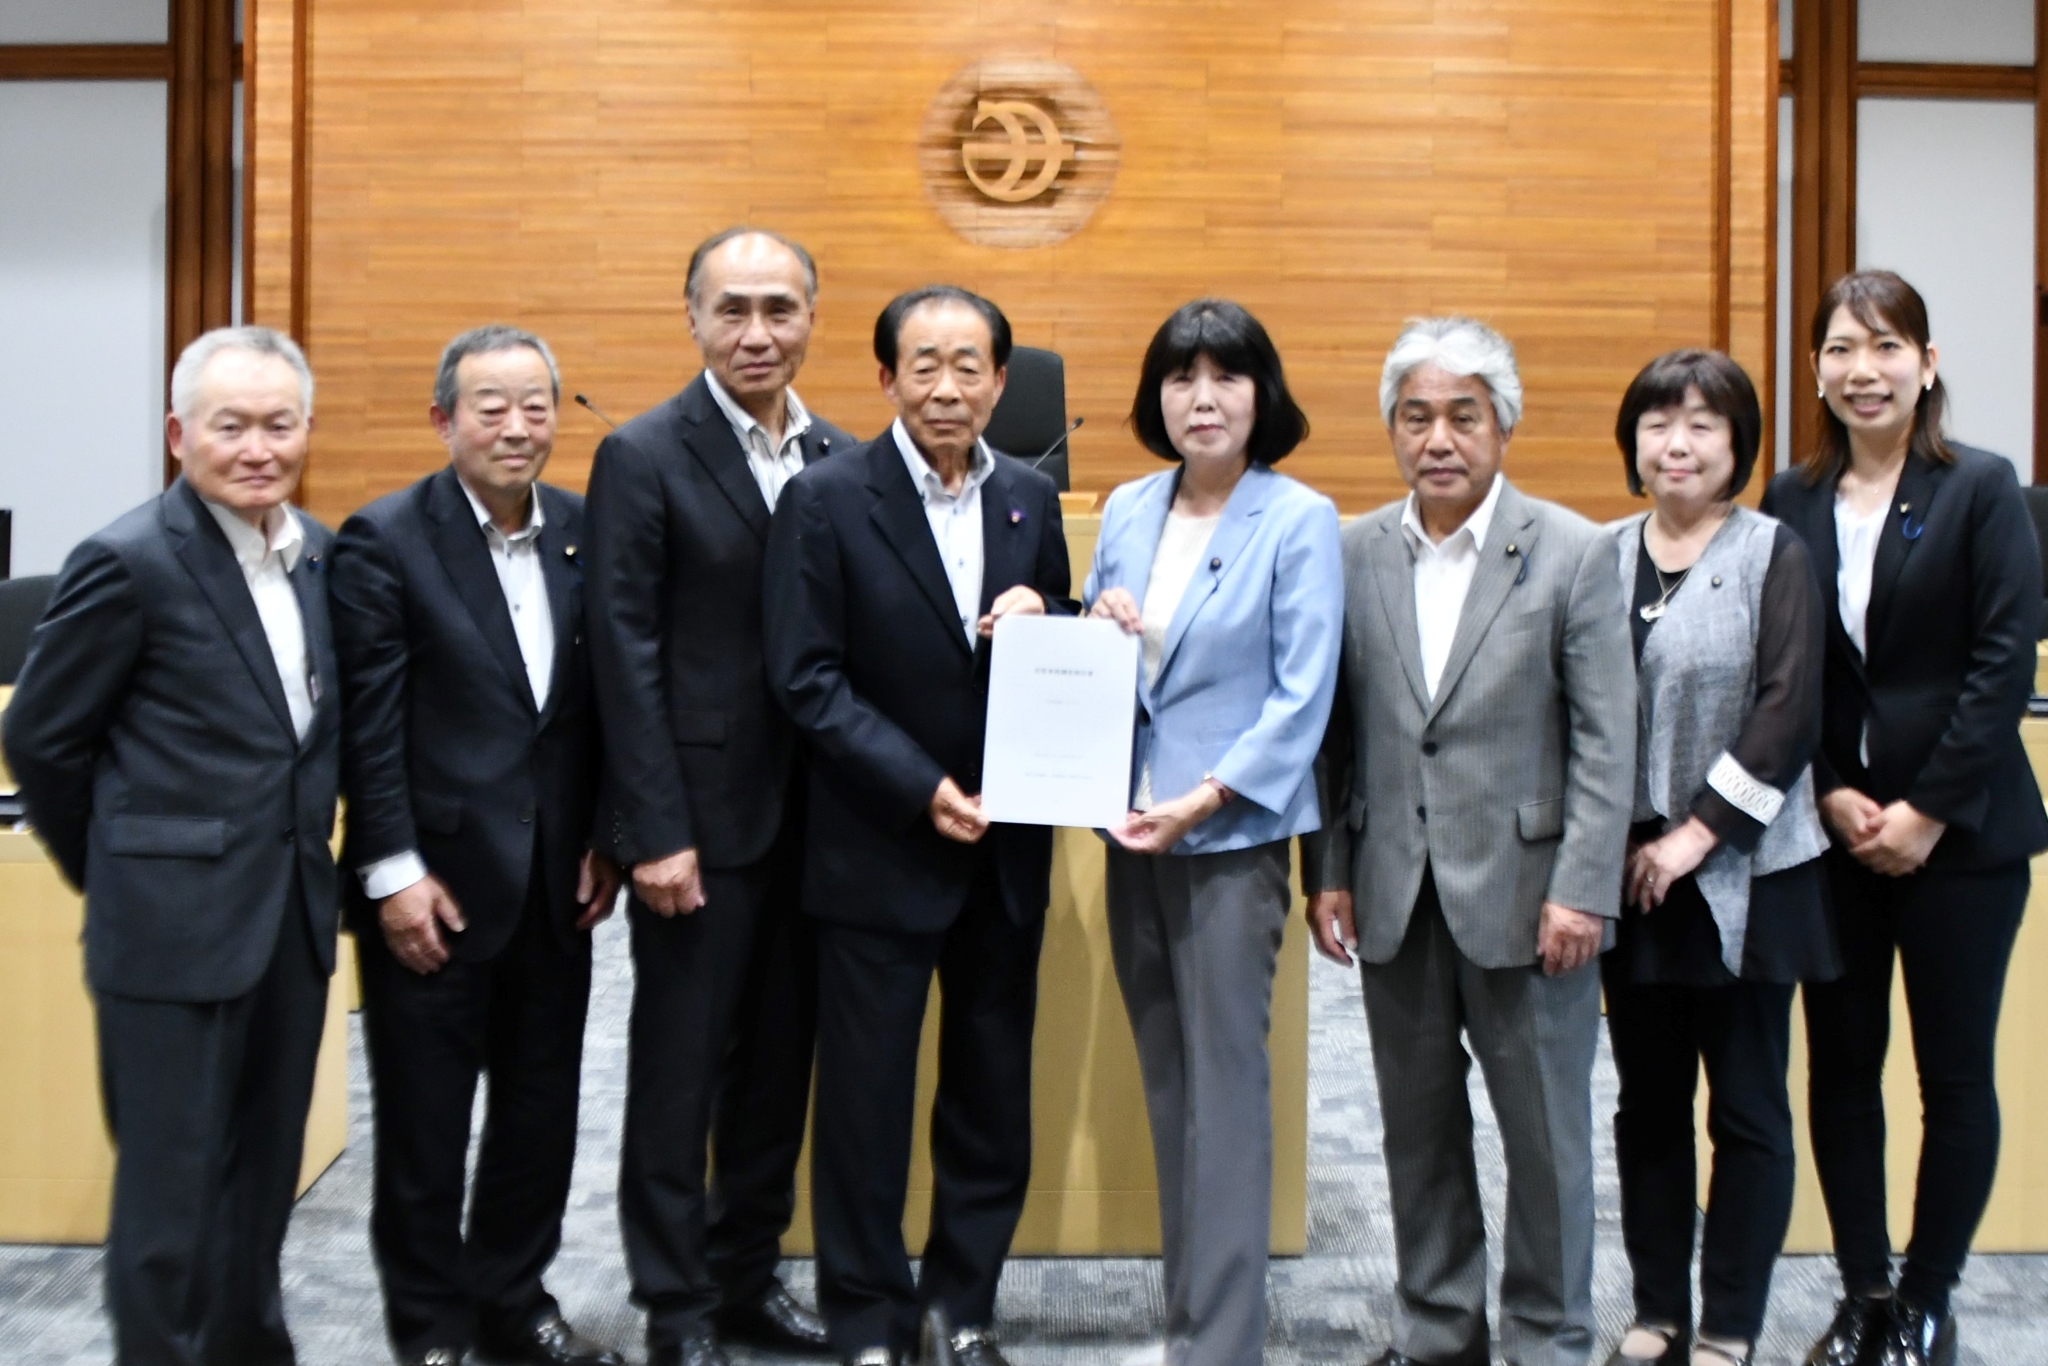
(974, 1347)
(437, 1356)
(1854, 1337)
(1918, 1337)
(550, 1342)
(873, 1356)
(775, 1321)
(702, 1350)
(935, 1337)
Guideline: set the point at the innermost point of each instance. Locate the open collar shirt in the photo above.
(955, 520)
(772, 465)
(1443, 576)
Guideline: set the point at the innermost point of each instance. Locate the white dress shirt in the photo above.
(772, 465)
(517, 560)
(1443, 576)
(955, 520)
(1856, 540)
(267, 558)
(1182, 543)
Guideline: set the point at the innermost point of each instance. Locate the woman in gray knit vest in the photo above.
(1723, 908)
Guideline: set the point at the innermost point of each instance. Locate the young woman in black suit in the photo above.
(1925, 550)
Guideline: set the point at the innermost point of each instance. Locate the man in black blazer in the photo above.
(471, 759)
(175, 733)
(885, 567)
(709, 810)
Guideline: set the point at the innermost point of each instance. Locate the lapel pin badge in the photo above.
(1912, 526)
(570, 551)
(1016, 516)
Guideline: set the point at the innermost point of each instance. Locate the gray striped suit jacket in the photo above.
(1515, 782)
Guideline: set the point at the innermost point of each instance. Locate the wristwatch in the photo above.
(1225, 793)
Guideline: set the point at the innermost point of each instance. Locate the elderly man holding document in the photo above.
(1231, 578)
(885, 565)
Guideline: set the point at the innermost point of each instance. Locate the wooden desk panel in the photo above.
(56, 1161)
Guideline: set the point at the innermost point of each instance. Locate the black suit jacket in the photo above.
(866, 652)
(699, 753)
(1954, 600)
(443, 750)
(156, 754)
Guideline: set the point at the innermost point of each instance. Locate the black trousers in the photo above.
(207, 1105)
(1661, 1034)
(518, 1018)
(1953, 935)
(718, 1072)
(872, 989)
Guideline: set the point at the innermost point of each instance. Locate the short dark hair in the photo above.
(1236, 342)
(695, 275)
(1723, 385)
(889, 326)
(480, 341)
(1883, 302)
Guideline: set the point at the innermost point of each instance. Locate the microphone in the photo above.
(600, 412)
(1046, 454)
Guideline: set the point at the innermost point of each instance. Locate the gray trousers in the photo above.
(1535, 1038)
(1195, 939)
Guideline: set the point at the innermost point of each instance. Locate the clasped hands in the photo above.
(1893, 840)
(413, 918)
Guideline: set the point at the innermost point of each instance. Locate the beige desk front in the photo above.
(1093, 1190)
(2017, 1220)
(56, 1163)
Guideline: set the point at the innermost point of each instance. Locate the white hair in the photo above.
(1462, 346)
(262, 341)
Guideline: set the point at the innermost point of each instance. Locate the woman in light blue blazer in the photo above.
(1232, 576)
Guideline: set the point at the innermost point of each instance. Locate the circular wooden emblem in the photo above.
(1017, 152)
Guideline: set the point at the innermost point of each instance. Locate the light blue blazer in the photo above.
(1250, 662)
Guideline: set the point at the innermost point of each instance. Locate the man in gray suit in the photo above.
(1479, 770)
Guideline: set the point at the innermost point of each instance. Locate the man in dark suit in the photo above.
(708, 809)
(886, 567)
(471, 759)
(176, 737)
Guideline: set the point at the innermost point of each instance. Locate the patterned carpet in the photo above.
(1331, 1306)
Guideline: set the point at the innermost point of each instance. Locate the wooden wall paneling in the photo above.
(1945, 81)
(1752, 237)
(199, 193)
(84, 62)
(1823, 183)
(1337, 165)
(2040, 249)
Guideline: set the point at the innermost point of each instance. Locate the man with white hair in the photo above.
(1479, 771)
(175, 732)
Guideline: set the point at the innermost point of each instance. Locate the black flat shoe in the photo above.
(1918, 1337)
(775, 1321)
(1856, 1334)
(974, 1347)
(1673, 1353)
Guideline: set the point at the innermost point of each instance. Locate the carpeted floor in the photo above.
(1331, 1306)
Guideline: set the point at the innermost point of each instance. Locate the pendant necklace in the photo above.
(1650, 611)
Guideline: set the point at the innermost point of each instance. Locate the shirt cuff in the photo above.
(390, 876)
(1744, 791)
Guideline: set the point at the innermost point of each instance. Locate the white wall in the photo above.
(81, 307)
(1945, 197)
(2000, 32)
(84, 21)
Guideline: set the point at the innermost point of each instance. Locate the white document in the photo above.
(1062, 698)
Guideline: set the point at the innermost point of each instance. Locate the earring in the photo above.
(1928, 387)
(1821, 393)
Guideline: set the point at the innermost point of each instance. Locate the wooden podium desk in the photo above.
(56, 1163)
